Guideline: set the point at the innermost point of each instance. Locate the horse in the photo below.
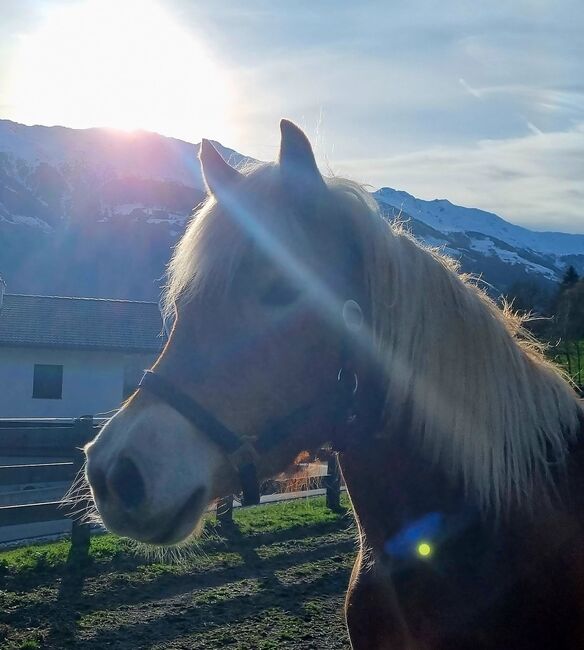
(301, 316)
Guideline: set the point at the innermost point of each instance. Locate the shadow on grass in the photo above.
(128, 561)
(63, 626)
(72, 602)
(200, 619)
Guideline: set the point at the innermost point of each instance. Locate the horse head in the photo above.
(264, 290)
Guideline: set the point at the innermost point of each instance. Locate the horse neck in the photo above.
(391, 486)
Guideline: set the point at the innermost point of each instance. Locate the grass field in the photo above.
(570, 354)
(275, 580)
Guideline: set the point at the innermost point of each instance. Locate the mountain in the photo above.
(449, 218)
(96, 212)
(93, 212)
(502, 253)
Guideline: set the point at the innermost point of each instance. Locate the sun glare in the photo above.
(126, 65)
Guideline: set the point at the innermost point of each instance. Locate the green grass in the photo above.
(52, 556)
(275, 579)
(26, 644)
(36, 557)
(570, 355)
(270, 518)
(262, 519)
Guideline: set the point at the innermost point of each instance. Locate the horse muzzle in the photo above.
(151, 475)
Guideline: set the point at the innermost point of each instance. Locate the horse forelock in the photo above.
(211, 249)
(218, 236)
(481, 398)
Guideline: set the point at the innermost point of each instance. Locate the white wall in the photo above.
(92, 381)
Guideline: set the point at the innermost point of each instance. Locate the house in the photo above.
(66, 357)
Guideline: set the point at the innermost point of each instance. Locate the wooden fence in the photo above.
(63, 440)
(59, 439)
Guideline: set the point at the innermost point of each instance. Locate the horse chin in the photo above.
(167, 530)
(184, 523)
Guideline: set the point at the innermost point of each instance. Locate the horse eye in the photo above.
(280, 294)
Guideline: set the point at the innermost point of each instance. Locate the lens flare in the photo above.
(424, 549)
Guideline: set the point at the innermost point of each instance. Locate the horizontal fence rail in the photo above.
(37, 473)
(42, 438)
(64, 439)
(32, 513)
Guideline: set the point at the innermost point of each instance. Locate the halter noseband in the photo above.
(241, 451)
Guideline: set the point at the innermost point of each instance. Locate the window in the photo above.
(47, 381)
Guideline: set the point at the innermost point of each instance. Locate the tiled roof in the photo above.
(86, 323)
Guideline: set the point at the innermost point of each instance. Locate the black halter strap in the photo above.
(244, 452)
(240, 452)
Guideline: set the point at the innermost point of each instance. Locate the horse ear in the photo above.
(219, 176)
(296, 157)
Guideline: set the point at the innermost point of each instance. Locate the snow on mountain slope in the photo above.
(139, 154)
(498, 263)
(97, 212)
(446, 217)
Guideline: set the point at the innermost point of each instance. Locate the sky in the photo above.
(481, 103)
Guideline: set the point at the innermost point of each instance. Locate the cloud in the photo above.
(567, 100)
(484, 108)
(476, 102)
(535, 181)
(533, 128)
(469, 89)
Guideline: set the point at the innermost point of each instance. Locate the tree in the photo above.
(530, 296)
(569, 330)
(570, 278)
(570, 311)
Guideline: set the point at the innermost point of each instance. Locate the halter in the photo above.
(244, 451)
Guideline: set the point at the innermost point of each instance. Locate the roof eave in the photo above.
(82, 348)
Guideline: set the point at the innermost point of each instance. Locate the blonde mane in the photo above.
(480, 398)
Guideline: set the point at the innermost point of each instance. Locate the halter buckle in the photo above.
(351, 384)
(245, 454)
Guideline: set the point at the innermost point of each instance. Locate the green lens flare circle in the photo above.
(424, 549)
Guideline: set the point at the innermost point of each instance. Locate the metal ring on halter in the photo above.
(355, 380)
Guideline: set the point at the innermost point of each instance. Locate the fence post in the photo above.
(225, 510)
(333, 484)
(80, 530)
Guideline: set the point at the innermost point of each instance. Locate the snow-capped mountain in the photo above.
(449, 218)
(501, 252)
(93, 211)
(109, 152)
(97, 211)
(53, 175)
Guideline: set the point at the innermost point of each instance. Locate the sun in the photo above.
(119, 63)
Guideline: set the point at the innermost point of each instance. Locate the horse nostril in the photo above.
(97, 482)
(127, 483)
